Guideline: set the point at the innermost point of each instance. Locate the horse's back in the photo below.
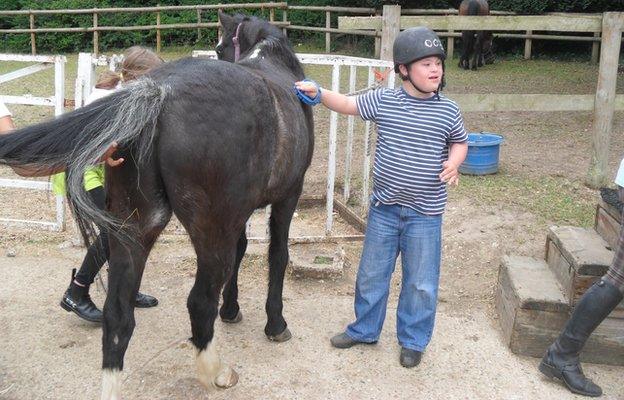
(225, 127)
(474, 7)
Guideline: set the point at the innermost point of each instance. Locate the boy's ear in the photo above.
(226, 19)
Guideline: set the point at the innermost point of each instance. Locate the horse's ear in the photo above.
(226, 19)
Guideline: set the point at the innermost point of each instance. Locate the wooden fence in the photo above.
(608, 25)
(328, 30)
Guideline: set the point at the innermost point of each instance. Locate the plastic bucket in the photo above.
(483, 154)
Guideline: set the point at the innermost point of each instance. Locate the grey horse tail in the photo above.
(78, 139)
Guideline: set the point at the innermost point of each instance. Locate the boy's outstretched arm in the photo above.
(457, 155)
(333, 100)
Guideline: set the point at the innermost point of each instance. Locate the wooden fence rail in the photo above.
(425, 16)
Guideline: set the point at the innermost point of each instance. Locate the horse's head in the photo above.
(241, 33)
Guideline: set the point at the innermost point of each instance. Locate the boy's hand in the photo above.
(309, 88)
(450, 173)
(108, 156)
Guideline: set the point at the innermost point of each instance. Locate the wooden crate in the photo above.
(577, 257)
(608, 223)
(533, 311)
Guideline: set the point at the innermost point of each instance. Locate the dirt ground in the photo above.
(46, 353)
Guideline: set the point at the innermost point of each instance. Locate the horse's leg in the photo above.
(476, 50)
(215, 262)
(230, 311)
(146, 212)
(467, 40)
(281, 216)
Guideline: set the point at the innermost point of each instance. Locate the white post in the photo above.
(350, 123)
(331, 158)
(59, 85)
(367, 154)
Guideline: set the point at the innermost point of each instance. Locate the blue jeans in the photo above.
(394, 229)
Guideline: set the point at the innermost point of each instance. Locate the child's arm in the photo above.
(333, 100)
(457, 155)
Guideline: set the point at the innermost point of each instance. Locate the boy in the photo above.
(421, 143)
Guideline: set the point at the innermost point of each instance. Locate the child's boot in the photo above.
(77, 300)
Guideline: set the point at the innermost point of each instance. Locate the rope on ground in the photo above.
(158, 353)
(6, 390)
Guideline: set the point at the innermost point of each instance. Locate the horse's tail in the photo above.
(78, 139)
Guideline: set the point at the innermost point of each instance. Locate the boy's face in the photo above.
(425, 73)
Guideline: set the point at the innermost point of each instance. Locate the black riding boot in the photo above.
(562, 358)
(76, 299)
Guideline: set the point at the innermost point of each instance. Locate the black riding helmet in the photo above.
(414, 44)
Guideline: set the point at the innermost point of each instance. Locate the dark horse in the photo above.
(475, 44)
(208, 140)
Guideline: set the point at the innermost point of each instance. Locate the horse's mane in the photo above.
(272, 41)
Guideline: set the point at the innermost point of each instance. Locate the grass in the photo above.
(551, 199)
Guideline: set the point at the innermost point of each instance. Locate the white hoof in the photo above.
(111, 384)
(227, 378)
(211, 372)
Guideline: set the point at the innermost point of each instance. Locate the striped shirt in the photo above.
(413, 137)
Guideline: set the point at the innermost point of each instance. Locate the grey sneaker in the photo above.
(344, 341)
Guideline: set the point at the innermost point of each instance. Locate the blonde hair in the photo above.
(137, 61)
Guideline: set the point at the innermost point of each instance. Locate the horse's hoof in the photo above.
(282, 337)
(236, 319)
(226, 379)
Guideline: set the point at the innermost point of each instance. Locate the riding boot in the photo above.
(562, 358)
(77, 300)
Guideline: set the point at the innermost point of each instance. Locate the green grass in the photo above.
(552, 200)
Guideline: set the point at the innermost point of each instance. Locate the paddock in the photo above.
(47, 353)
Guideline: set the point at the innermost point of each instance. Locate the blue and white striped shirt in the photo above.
(413, 137)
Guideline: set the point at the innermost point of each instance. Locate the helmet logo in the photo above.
(432, 43)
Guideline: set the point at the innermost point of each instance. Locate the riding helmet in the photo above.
(414, 44)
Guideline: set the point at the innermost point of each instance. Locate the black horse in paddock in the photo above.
(476, 45)
(208, 140)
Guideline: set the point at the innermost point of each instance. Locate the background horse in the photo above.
(475, 44)
(208, 140)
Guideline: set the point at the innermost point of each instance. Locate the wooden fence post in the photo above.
(604, 102)
(391, 26)
(95, 34)
(528, 43)
(595, 49)
(284, 19)
(33, 46)
(327, 34)
(158, 31)
(199, 22)
(450, 45)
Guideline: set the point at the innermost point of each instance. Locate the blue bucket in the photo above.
(483, 154)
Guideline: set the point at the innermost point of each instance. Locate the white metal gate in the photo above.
(57, 101)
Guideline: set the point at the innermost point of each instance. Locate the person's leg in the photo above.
(420, 245)
(373, 277)
(76, 298)
(562, 357)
